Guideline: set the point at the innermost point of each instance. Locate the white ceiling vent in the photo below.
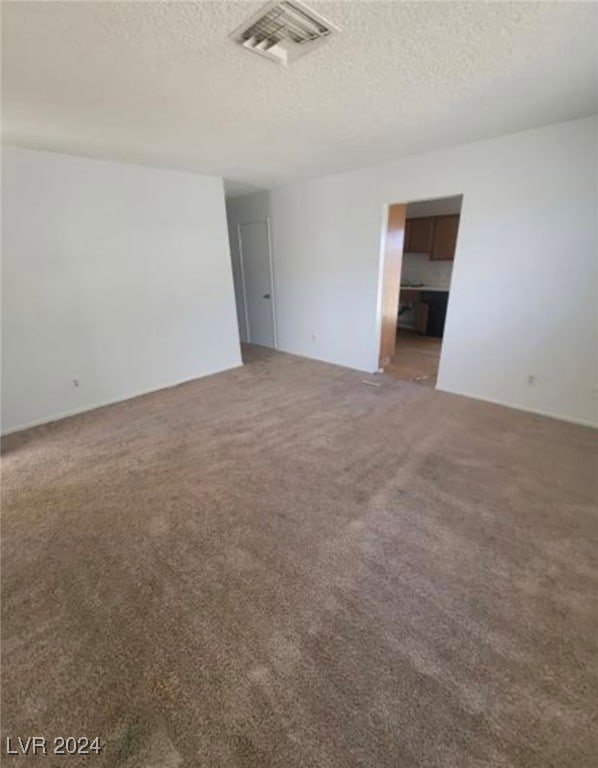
(282, 31)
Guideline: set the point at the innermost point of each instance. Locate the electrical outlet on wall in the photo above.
(531, 379)
(75, 383)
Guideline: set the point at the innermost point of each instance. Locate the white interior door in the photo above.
(256, 265)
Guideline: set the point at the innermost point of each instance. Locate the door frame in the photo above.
(271, 270)
(390, 266)
(383, 281)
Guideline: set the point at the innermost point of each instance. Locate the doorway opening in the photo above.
(419, 252)
(256, 282)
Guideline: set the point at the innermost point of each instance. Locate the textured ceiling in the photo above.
(160, 82)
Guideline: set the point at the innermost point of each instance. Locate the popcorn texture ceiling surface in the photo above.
(162, 84)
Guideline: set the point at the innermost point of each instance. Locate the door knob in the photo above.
(266, 295)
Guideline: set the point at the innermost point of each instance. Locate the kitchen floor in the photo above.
(416, 358)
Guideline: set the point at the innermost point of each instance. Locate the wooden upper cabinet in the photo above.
(445, 237)
(419, 234)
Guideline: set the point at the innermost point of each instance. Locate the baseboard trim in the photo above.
(88, 408)
(524, 408)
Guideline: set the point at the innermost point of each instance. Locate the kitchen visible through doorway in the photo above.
(412, 336)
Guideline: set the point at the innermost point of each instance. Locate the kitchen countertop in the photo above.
(425, 288)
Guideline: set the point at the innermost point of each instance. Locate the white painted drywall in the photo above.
(420, 268)
(439, 206)
(524, 288)
(115, 275)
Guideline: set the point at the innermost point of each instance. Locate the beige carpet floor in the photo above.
(280, 566)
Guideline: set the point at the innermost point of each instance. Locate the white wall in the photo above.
(438, 206)
(116, 275)
(524, 289)
(420, 268)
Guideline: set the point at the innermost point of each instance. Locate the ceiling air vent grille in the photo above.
(284, 31)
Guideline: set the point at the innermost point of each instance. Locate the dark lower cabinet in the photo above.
(437, 302)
